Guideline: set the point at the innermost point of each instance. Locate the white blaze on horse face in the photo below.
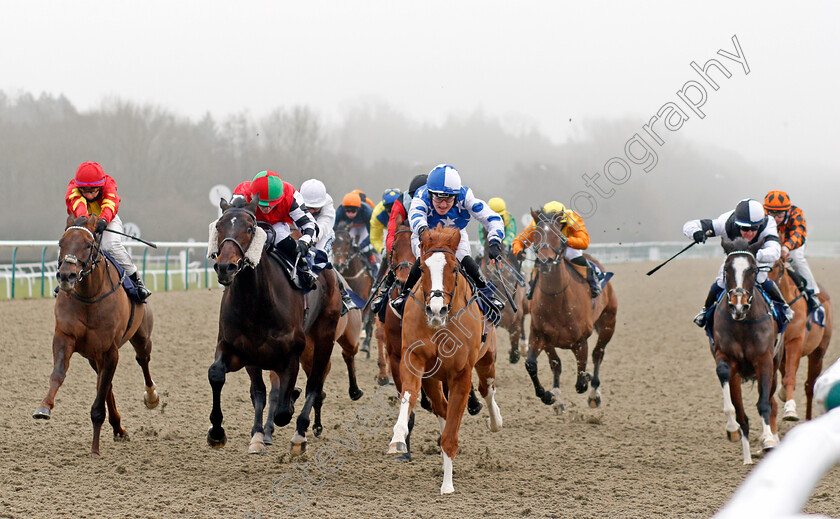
(436, 262)
(740, 266)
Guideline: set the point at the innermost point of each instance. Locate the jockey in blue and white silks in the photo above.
(443, 200)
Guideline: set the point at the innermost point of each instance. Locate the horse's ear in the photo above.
(91, 222)
(728, 245)
(399, 219)
(754, 248)
(70, 220)
(252, 205)
(534, 215)
(223, 204)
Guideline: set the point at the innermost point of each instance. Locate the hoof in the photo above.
(355, 395)
(151, 402)
(790, 412)
(365, 347)
(382, 381)
(42, 413)
(216, 443)
(446, 489)
(268, 440)
(95, 454)
(406, 457)
(317, 430)
(121, 437)
(547, 398)
(489, 423)
(514, 356)
(297, 448)
(733, 436)
(594, 402)
(296, 393)
(397, 448)
(474, 409)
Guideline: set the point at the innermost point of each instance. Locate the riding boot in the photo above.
(142, 291)
(812, 300)
(714, 293)
(489, 295)
(398, 302)
(532, 283)
(382, 293)
(775, 294)
(346, 301)
(586, 272)
(307, 278)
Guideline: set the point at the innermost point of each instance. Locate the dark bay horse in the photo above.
(802, 339)
(94, 317)
(347, 334)
(442, 342)
(511, 321)
(744, 334)
(564, 315)
(351, 263)
(265, 324)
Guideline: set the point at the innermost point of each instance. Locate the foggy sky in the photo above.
(542, 65)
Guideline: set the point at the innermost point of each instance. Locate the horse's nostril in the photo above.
(216, 267)
(230, 268)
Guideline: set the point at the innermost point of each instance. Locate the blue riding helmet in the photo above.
(390, 196)
(444, 180)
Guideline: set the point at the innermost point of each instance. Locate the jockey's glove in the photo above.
(101, 224)
(302, 248)
(699, 236)
(521, 255)
(421, 230)
(494, 250)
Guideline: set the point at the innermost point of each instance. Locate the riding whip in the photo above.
(690, 245)
(150, 244)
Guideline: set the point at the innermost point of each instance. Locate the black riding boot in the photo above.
(398, 302)
(532, 283)
(775, 294)
(594, 288)
(382, 293)
(288, 246)
(142, 291)
(714, 293)
(347, 303)
(474, 271)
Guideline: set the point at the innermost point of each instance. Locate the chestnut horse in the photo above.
(511, 321)
(564, 315)
(442, 342)
(94, 317)
(263, 325)
(802, 338)
(352, 264)
(744, 334)
(347, 334)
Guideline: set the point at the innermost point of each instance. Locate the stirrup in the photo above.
(700, 319)
(398, 303)
(376, 302)
(789, 313)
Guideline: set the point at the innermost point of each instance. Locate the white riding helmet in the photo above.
(314, 193)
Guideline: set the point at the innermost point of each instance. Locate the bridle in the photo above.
(741, 293)
(243, 261)
(356, 252)
(440, 292)
(402, 264)
(545, 265)
(93, 259)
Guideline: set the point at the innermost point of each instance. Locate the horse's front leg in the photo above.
(411, 381)
(459, 385)
(581, 350)
(486, 369)
(107, 367)
(216, 437)
(257, 445)
(740, 416)
(348, 352)
(534, 347)
(556, 370)
(314, 385)
(114, 418)
(369, 320)
(63, 348)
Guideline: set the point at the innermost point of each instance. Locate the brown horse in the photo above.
(512, 321)
(265, 324)
(94, 317)
(802, 338)
(564, 315)
(352, 264)
(744, 334)
(347, 334)
(442, 342)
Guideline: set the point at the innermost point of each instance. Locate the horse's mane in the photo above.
(443, 235)
(740, 244)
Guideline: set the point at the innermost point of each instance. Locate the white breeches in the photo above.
(112, 243)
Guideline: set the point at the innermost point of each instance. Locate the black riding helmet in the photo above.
(416, 183)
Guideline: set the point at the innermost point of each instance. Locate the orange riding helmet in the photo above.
(777, 201)
(352, 199)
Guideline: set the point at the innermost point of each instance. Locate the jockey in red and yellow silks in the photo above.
(93, 193)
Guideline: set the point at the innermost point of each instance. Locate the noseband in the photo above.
(93, 259)
(243, 261)
(441, 293)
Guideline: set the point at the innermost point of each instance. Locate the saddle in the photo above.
(125, 281)
(295, 274)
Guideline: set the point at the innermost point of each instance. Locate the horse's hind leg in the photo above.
(736, 400)
(314, 386)
(815, 363)
(486, 369)
(766, 403)
(369, 319)
(534, 347)
(257, 445)
(62, 351)
(793, 354)
(605, 326)
(114, 418)
(142, 343)
(348, 351)
(103, 387)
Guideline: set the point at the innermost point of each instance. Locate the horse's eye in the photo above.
(251, 230)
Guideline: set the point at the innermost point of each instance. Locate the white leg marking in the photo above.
(745, 446)
(446, 487)
(298, 439)
(768, 439)
(790, 409)
(442, 423)
(401, 427)
(257, 445)
(729, 410)
(495, 420)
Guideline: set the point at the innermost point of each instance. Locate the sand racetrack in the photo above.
(655, 448)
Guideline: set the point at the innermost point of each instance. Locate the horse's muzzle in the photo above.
(437, 319)
(225, 272)
(66, 280)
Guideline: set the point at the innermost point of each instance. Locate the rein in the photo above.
(93, 260)
(242, 262)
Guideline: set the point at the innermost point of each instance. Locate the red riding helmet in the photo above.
(90, 174)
